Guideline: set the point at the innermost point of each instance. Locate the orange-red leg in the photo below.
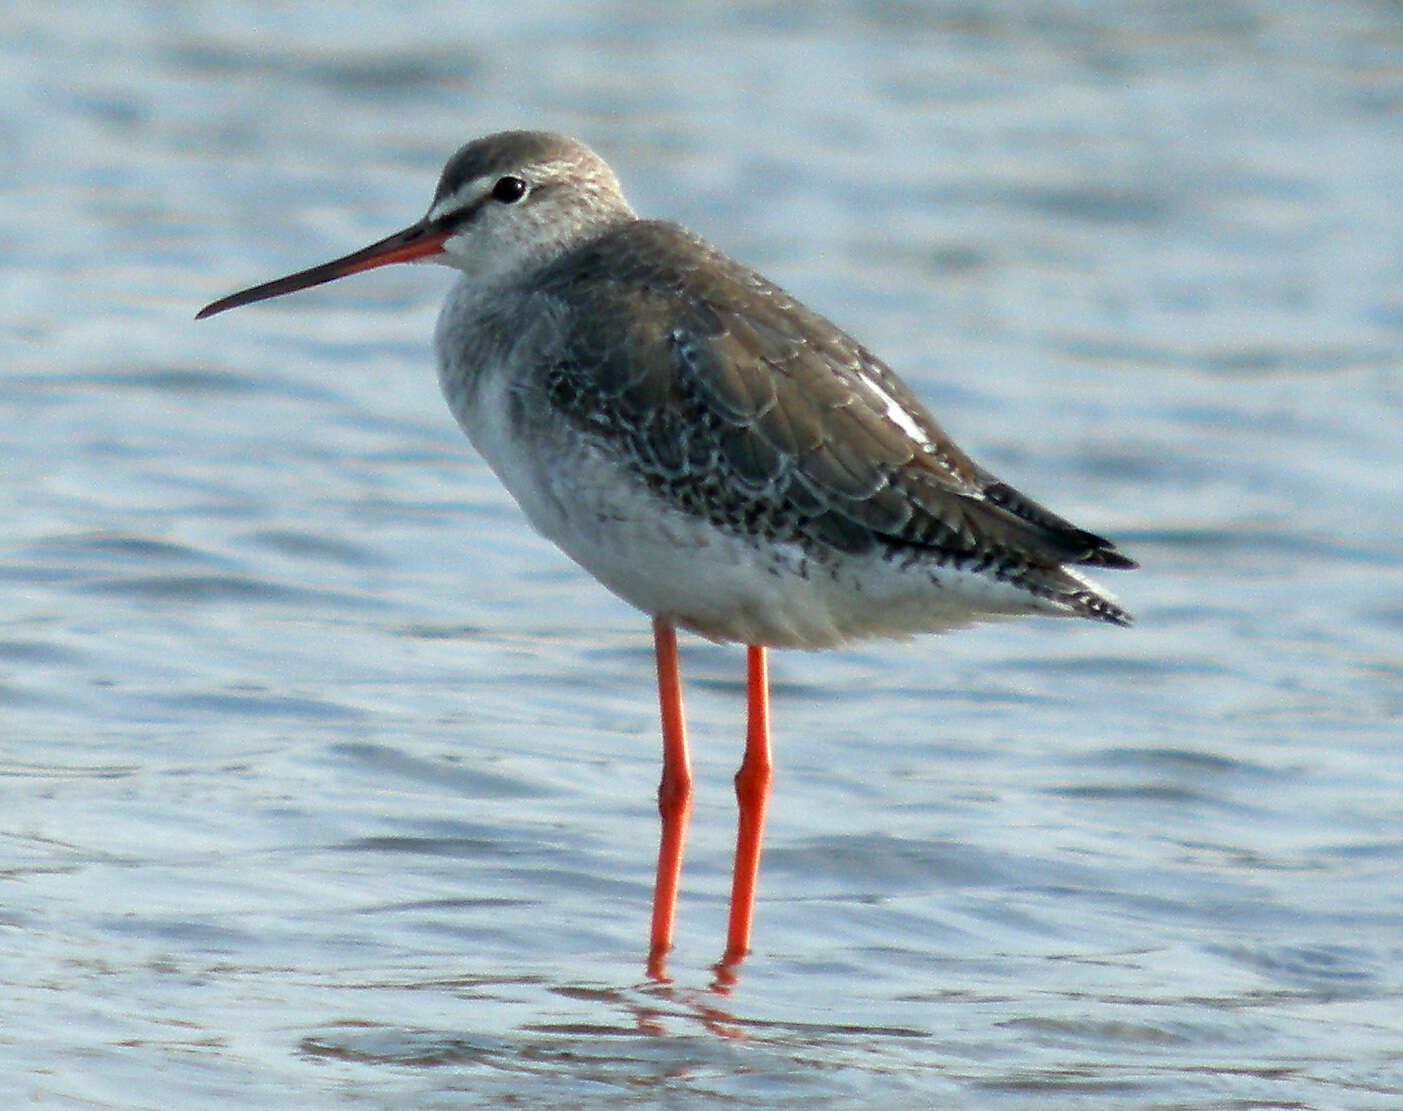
(674, 796)
(753, 796)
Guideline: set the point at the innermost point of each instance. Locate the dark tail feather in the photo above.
(1104, 554)
(1083, 548)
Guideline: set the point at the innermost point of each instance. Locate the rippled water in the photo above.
(327, 783)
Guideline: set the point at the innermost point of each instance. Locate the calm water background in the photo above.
(327, 783)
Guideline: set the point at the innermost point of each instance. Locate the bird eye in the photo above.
(509, 190)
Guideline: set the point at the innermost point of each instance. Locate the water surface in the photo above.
(327, 783)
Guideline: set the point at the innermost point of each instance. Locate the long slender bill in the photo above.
(419, 241)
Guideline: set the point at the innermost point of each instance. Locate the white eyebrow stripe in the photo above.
(458, 199)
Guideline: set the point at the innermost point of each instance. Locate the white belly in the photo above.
(668, 562)
(726, 586)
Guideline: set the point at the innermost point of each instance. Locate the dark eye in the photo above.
(509, 190)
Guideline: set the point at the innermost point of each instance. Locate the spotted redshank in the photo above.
(708, 448)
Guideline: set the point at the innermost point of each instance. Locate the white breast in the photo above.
(654, 555)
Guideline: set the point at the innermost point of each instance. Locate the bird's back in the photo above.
(730, 403)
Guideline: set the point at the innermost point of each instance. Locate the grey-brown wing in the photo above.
(741, 405)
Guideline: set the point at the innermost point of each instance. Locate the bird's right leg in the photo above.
(753, 795)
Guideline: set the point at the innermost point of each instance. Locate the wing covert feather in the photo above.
(740, 404)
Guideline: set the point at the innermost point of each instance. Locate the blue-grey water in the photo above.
(327, 783)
